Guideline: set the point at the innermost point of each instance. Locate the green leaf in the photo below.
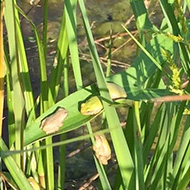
(16, 173)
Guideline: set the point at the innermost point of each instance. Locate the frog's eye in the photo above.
(88, 112)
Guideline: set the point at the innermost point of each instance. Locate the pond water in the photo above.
(103, 16)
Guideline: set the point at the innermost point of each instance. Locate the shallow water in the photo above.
(103, 16)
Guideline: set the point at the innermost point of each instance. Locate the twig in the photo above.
(94, 177)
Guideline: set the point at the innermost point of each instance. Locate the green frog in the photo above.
(116, 91)
(94, 105)
(52, 123)
(91, 106)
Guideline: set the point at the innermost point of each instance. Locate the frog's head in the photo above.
(91, 106)
(116, 91)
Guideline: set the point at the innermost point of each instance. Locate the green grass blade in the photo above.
(10, 20)
(9, 102)
(70, 19)
(185, 171)
(177, 169)
(111, 115)
(138, 153)
(16, 173)
(174, 29)
(50, 165)
(62, 149)
(102, 175)
(43, 72)
(44, 97)
(165, 145)
(149, 141)
(44, 101)
(101, 170)
(70, 14)
(24, 73)
(61, 54)
(45, 23)
(62, 165)
(142, 19)
(2, 65)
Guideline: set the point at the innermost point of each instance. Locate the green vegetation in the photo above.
(152, 150)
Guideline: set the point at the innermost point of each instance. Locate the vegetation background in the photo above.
(152, 149)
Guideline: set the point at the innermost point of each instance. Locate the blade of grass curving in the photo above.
(102, 175)
(62, 163)
(162, 126)
(147, 108)
(9, 103)
(185, 171)
(62, 149)
(110, 44)
(70, 18)
(146, 116)
(15, 171)
(50, 164)
(163, 148)
(182, 178)
(174, 28)
(117, 136)
(66, 76)
(2, 65)
(61, 54)
(2, 75)
(45, 23)
(149, 141)
(168, 136)
(44, 102)
(170, 17)
(142, 19)
(138, 153)
(24, 72)
(167, 173)
(185, 139)
(118, 185)
(141, 15)
(161, 165)
(101, 171)
(70, 14)
(10, 21)
(175, 126)
(43, 73)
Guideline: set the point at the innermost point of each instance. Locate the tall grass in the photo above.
(152, 151)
